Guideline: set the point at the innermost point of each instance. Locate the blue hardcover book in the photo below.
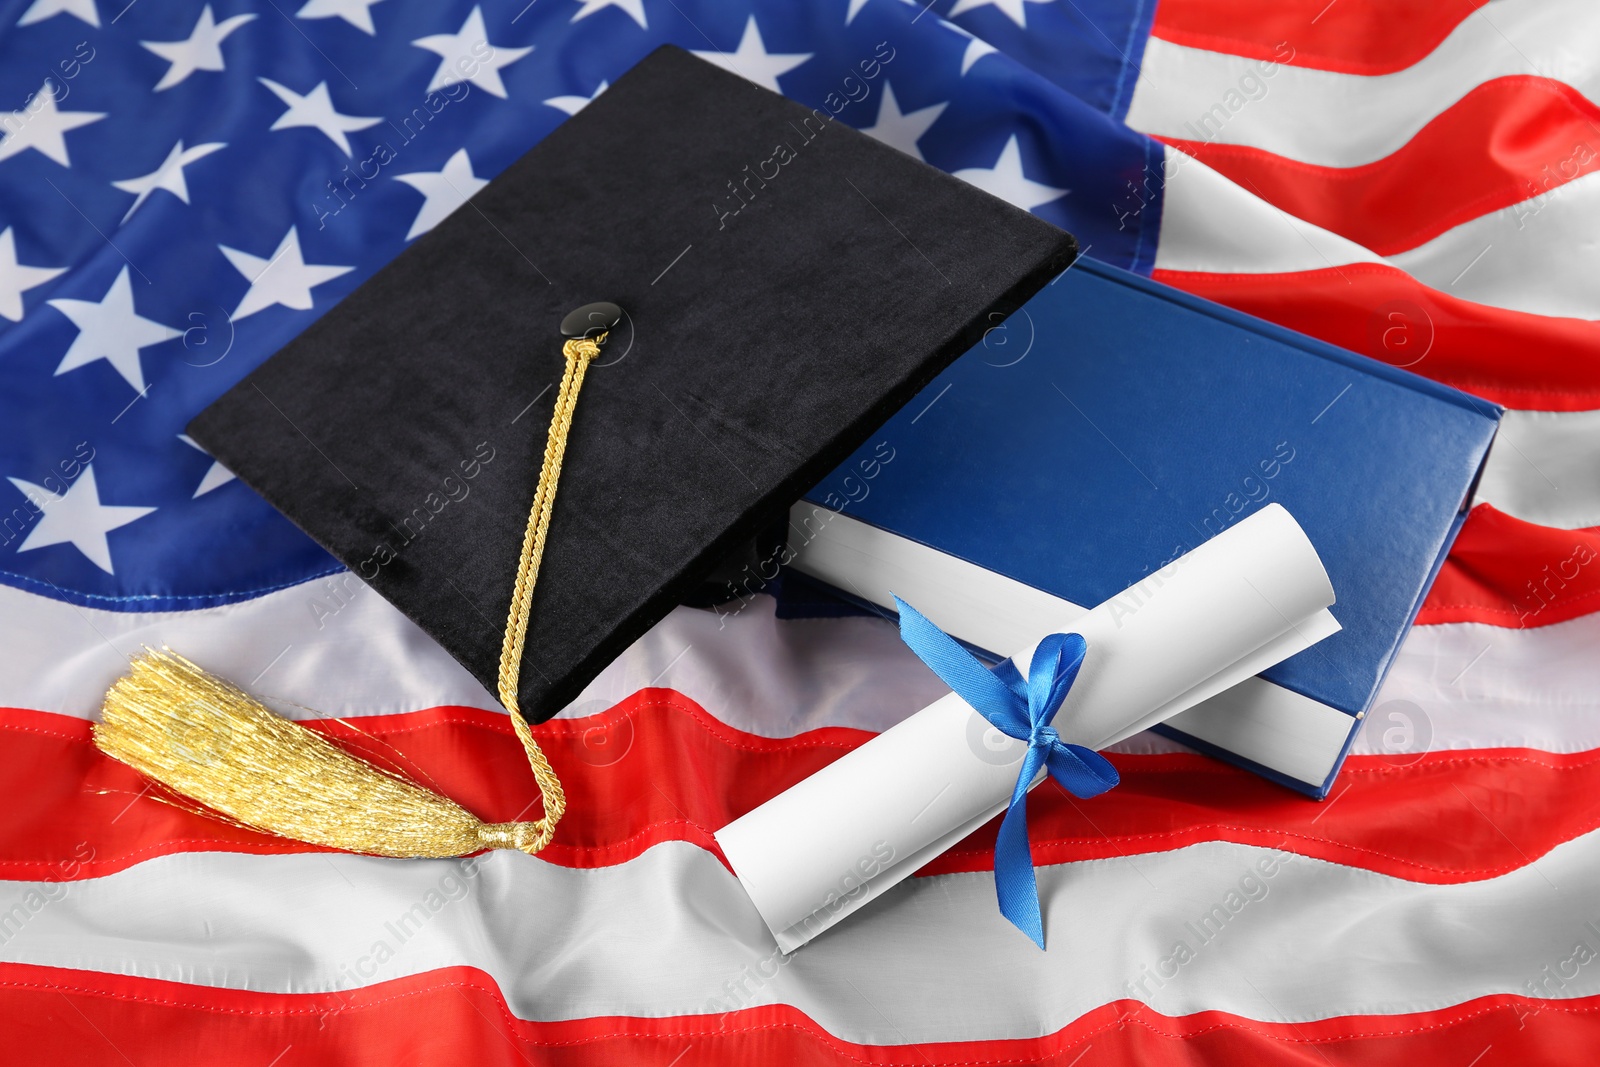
(1114, 423)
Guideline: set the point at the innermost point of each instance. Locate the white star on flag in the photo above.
(634, 9)
(445, 189)
(202, 50)
(216, 474)
(286, 278)
(574, 104)
(462, 59)
(48, 9)
(1015, 10)
(899, 129)
(168, 176)
(15, 279)
(111, 330)
(76, 518)
(40, 126)
(357, 13)
(753, 62)
(315, 109)
(976, 48)
(1006, 180)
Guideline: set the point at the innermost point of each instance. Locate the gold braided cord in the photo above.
(533, 836)
(209, 741)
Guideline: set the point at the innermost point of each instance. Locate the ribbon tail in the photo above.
(1022, 709)
(1007, 672)
(989, 695)
(1015, 885)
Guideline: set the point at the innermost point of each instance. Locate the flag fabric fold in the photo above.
(184, 187)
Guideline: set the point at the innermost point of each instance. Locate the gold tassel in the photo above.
(211, 742)
(208, 740)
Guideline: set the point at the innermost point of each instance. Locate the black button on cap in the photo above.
(590, 320)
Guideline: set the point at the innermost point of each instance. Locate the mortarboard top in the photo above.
(787, 282)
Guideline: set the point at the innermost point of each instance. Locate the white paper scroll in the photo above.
(1244, 600)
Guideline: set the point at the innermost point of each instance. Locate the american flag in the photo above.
(184, 186)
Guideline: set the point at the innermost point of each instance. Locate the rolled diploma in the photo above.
(1248, 598)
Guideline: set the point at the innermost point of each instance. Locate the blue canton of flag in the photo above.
(184, 187)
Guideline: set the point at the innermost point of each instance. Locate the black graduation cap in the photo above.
(786, 284)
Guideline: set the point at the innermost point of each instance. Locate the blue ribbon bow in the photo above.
(1019, 708)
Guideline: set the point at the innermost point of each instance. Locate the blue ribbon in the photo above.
(1021, 708)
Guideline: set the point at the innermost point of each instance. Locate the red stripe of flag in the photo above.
(1350, 36)
(54, 1016)
(1383, 312)
(1418, 816)
(1509, 141)
(1506, 572)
